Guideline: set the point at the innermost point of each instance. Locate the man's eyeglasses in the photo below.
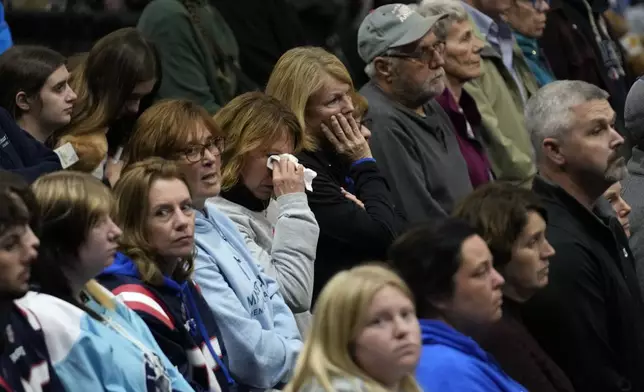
(426, 55)
(196, 151)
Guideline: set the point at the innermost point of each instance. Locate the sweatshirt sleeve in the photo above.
(31, 173)
(257, 357)
(369, 230)
(184, 68)
(293, 251)
(397, 156)
(87, 367)
(37, 159)
(509, 162)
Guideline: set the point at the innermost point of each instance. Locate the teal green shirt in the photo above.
(535, 60)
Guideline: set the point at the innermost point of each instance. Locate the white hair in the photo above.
(452, 9)
(548, 112)
(370, 69)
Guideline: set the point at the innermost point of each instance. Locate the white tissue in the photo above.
(309, 174)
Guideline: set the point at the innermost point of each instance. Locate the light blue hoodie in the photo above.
(453, 362)
(89, 355)
(257, 327)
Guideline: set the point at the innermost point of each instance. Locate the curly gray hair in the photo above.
(452, 9)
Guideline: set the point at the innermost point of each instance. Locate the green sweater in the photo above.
(188, 64)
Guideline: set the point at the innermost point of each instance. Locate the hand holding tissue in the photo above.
(309, 174)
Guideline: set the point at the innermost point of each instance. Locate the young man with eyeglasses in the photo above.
(412, 137)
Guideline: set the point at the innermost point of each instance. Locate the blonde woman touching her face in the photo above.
(350, 198)
(375, 343)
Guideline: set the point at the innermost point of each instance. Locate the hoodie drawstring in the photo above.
(195, 313)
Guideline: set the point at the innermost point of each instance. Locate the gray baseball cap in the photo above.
(390, 26)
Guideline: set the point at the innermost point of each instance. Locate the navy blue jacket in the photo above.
(24, 359)
(180, 321)
(21, 153)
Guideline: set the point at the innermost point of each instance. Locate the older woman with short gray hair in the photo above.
(462, 64)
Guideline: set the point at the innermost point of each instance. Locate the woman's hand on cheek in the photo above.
(346, 137)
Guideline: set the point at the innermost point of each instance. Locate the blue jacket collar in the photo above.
(124, 266)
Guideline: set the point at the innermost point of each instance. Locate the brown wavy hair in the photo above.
(131, 212)
(499, 212)
(250, 122)
(166, 128)
(103, 82)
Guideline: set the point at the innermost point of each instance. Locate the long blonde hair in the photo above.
(340, 315)
(299, 74)
(250, 122)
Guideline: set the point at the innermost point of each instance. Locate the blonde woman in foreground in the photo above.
(365, 336)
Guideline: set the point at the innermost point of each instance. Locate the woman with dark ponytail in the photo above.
(198, 52)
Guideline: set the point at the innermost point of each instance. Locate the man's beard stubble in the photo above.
(414, 95)
(615, 170)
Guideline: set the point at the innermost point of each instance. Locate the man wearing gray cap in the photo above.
(412, 137)
(633, 184)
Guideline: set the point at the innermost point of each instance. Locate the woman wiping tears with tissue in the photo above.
(257, 165)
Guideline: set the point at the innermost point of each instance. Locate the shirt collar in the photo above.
(526, 42)
(447, 101)
(482, 21)
(488, 26)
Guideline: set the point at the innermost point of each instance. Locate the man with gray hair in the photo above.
(412, 137)
(590, 317)
(633, 184)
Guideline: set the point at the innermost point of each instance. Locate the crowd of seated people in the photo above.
(455, 224)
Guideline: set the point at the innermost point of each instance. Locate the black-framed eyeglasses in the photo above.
(196, 151)
(426, 55)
